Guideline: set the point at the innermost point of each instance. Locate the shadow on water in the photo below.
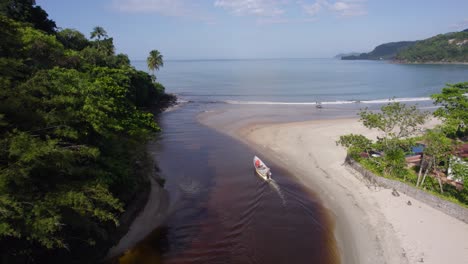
(221, 212)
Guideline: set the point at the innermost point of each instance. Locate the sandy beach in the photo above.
(372, 225)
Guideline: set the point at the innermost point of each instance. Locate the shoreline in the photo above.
(356, 243)
(393, 61)
(140, 211)
(152, 214)
(371, 225)
(430, 62)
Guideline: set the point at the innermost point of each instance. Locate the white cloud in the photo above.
(268, 11)
(313, 9)
(344, 8)
(277, 20)
(175, 8)
(267, 8)
(348, 8)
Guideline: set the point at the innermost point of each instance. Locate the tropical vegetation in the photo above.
(154, 61)
(74, 121)
(387, 51)
(450, 47)
(441, 168)
(443, 48)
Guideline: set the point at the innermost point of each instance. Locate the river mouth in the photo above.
(221, 211)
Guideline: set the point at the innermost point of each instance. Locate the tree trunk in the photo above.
(425, 173)
(420, 170)
(440, 184)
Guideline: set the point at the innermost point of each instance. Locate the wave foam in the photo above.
(376, 101)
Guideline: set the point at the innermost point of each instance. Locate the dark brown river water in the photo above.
(221, 212)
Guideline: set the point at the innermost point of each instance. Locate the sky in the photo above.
(249, 29)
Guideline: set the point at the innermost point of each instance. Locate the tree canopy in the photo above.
(405, 152)
(27, 11)
(73, 125)
(454, 110)
(395, 120)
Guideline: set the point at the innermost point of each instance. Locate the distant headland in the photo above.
(443, 48)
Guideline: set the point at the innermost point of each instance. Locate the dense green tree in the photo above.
(154, 61)
(437, 153)
(42, 50)
(355, 144)
(72, 39)
(11, 38)
(27, 11)
(72, 128)
(395, 121)
(454, 110)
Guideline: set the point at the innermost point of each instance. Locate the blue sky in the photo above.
(216, 29)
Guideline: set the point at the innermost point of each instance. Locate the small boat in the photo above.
(261, 169)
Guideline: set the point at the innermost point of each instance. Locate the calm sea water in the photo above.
(302, 80)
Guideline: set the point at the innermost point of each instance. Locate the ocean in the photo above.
(292, 81)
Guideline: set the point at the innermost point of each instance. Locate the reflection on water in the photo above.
(222, 212)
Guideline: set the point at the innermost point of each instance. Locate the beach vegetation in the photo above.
(395, 121)
(355, 144)
(438, 167)
(454, 109)
(436, 156)
(74, 122)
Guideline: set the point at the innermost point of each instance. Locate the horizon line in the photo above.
(233, 59)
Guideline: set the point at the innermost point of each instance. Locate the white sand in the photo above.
(372, 226)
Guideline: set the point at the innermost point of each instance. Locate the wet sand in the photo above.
(372, 226)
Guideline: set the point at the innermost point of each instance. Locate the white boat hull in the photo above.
(263, 171)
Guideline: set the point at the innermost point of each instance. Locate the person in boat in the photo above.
(257, 164)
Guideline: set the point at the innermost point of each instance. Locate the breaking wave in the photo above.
(376, 101)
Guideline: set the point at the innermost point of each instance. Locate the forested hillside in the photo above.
(450, 47)
(74, 122)
(385, 51)
(443, 48)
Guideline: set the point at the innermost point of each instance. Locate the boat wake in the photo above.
(277, 188)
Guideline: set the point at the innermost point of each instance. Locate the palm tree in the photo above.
(98, 32)
(154, 61)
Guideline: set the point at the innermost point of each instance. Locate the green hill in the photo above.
(341, 55)
(443, 48)
(385, 51)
